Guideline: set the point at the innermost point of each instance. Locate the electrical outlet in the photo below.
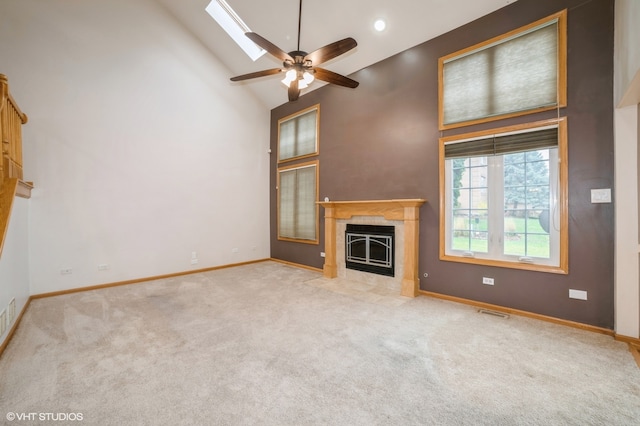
(3, 322)
(12, 310)
(194, 261)
(323, 254)
(487, 281)
(103, 267)
(66, 271)
(235, 250)
(194, 255)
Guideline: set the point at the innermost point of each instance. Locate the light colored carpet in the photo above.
(268, 344)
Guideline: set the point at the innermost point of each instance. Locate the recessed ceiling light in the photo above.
(380, 25)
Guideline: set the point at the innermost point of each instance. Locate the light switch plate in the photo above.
(601, 195)
(577, 294)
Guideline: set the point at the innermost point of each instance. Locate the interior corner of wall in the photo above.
(631, 94)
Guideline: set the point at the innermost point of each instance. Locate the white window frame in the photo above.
(558, 261)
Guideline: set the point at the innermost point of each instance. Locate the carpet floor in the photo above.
(271, 344)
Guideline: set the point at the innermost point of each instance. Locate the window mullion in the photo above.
(448, 204)
(496, 206)
(554, 204)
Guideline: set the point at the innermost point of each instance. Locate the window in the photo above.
(297, 208)
(229, 20)
(298, 134)
(503, 197)
(516, 73)
(298, 183)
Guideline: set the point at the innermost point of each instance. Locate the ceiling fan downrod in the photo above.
(299, 23)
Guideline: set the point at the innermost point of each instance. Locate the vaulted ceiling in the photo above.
(409, 23)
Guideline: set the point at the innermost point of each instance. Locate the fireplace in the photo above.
(403, 214)
(370, 248)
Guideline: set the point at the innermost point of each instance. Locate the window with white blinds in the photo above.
(297, 208)
(513, 74)
(298, 134)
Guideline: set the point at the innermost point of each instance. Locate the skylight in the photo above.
(234, 26)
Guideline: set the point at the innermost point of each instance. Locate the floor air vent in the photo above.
(494, 313)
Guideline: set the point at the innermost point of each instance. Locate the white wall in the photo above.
(626, 97)
(627, 279)
(140, 149)
(14, 263)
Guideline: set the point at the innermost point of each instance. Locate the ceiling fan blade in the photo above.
(256, 74)
(334, 78)
(269, 47)
(330, 51)
(294, 91)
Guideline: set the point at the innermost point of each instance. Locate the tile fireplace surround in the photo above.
(406, 210)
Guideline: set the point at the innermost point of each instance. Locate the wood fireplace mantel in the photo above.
(407, 210)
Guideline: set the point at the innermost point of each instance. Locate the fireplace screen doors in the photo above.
(370, 248)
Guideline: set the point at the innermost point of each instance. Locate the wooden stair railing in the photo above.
(11, 174)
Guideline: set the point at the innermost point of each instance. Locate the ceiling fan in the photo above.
(301, 67)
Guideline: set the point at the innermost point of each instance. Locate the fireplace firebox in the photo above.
(370, 248)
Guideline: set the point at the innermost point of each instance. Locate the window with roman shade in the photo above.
(516, 73)
(297, 208)
(298, 134)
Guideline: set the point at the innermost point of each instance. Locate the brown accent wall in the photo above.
(380, 141)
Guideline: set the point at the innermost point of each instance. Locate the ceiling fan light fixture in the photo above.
(308, 77)
(289, 77)
(303, 83)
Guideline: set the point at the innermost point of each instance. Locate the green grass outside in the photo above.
(515, 242)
